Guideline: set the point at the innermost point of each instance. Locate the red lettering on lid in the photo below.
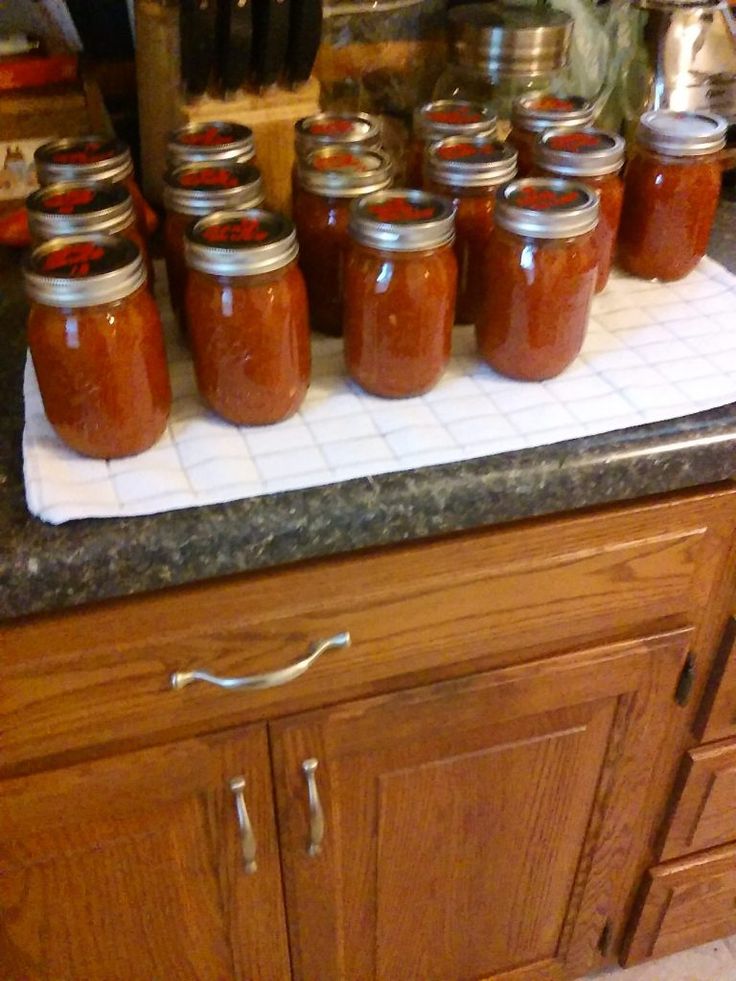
(401, 210)
(331, 127)
(459, 151)
(209, 136)
(461, 116)
(340, 161)
(544, 198)
(84, 153)
(554, 103)
(77, 258)
(243, 230)
(208, 177)
(576, 142)
(68, 202)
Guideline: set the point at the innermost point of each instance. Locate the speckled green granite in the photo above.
(45, 568)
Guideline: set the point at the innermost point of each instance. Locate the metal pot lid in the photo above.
(83, 271)
(494, 39)
(543, 207)
(214, 140)
(78, 207)
(580, 152)
(682, 134)
(338, 171)
(402, 221)
(479, 162)
(241, 243)
(348, 128)
(199, 188)
(453, 117)
(98, 158)
(543, 110)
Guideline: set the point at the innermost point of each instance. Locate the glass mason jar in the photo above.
(82, 208)
(210, 142)
(328, 180)
(531, 115)
(447, 117)
(355, 130)
(91, 158)
(400, 285)
(193, 191)
(97, 346)
(470, 172)
(594, 157)
(248, 315)
(671, 190)
(542, 268)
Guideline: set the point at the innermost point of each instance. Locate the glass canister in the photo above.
(349, 129)
(247, 314)
(400, 285)
(470, 172)
(193, 191)
(447, 117)
(82, 208)
(596, 158)
(210, 142)
(671, 190)
(97, 345)
(91, 158)
(542, 268)
(328, 180)
(531, 115)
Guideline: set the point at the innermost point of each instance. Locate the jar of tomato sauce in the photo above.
(400, 285)
(470, 171)
(81, 208)
(542, 267)
(248, 316)
(533, 114)
(210, 142)
(193, 191)
(328, 180)
(596, 158)
(95, 337)
(349, 129)
(91, 158)
(672, 185)
(437, 120)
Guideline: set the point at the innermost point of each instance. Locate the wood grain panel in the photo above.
(717, 719)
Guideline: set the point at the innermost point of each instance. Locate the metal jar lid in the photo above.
(495, 40)
(343, 128)
(402, 221)
(241, 243)
(210, 141)
(543, 110)
(341, 172)
(77, 208)
(453, 117)
(682, 134)
(479, 162)
(580, 152)
(543, 207)
(85, 158)
(83, 271)
(199, 188)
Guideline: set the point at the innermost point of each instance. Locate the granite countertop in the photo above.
(45, 568)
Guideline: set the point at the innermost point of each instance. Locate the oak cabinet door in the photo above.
(133, 868)
(477, 828)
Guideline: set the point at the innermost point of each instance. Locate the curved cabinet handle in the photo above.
(316, 814)
(180, 679)
(247, 838)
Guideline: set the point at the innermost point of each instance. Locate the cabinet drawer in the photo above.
(685, 904)
(705, 812)
(101, 676)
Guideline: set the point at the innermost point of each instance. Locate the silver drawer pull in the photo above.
(180, 679)
(316, 814)
(247, 838)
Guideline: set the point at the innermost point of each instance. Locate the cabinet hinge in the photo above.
(686, 681)
(604, 941)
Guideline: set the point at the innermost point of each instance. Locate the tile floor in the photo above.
(712, 962)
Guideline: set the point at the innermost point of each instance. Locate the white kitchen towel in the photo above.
(652, 352)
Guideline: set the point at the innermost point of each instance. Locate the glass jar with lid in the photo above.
(470, 171)
(349, 129)
(210, 142)
(328, 180)
(97, 345)
(671, 190)
(533, 114)
(193, 191)
(400, 285)
(542, 267)
(596, 158)
(247, 314)
(446, 117)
